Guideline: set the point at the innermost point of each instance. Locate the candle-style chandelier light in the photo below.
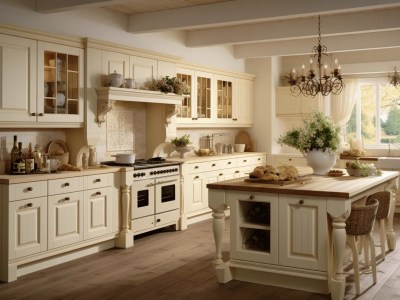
(395, 78)
(311, 83)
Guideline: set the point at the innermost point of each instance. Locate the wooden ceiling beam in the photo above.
(51, 6)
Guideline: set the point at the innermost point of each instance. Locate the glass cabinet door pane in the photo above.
(203, 97)
(224, 99)
(185, 110)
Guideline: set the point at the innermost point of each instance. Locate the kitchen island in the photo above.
(291, 235)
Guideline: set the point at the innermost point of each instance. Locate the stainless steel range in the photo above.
(154, 188)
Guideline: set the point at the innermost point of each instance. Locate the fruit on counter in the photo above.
(359, 165)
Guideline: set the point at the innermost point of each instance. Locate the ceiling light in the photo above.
(313, 82)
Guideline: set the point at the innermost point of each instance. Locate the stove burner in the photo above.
(142, 163)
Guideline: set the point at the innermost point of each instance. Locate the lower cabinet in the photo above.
(40, 219)
(278, 229)
(198, 173)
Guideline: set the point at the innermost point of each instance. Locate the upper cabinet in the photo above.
(60, 92)
(215, 100)
(18, 79)
(289, 105)
(41, 83)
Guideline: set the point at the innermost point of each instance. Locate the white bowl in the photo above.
(239, 147)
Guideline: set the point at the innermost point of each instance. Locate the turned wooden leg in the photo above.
(218, 231)
(125, 239)
(338, 281)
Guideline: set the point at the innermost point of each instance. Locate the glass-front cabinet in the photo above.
(60, 94)
(204, 99)
(225, 97)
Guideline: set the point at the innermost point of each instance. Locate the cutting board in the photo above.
(243, 138)
(279, 182)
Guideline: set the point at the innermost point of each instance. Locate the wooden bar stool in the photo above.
(360, 224)
(382, 214)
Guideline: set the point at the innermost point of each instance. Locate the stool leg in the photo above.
(366, 251)
(382, 232)
(373, 261)
(356, 267)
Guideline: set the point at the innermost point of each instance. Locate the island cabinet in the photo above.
(47, 219)
(291, 235)
(197, 172)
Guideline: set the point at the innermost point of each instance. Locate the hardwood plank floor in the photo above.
(171, 264)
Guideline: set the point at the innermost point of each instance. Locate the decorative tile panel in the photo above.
(120, 131)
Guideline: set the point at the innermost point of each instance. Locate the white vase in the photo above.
(183, 150)
(320, 161)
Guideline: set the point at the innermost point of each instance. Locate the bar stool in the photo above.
(360, 224)
(382, 214)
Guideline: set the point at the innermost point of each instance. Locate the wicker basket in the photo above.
(384, 203)
(362, 218)
(63, 158)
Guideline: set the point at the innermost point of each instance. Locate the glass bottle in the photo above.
(29, 160)
(14, 153)
(19, 163)
(92, 156)
(85, 160)
(38, 158)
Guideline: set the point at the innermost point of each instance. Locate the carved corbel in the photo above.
(171, 110)
(103, 107)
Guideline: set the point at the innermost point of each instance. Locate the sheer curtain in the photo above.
(342, 105)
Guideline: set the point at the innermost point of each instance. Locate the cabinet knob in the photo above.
(244, 160)
(41, 114)
(66, 184)
(237, 172)
(301, 202)
(67, 198)
(29, 189)
(252, 197)
(229, 162)
(194, 119)
(196, 177)
(33, 114)
(290, 159)
(196, 167)
(158, 220)
(213, 165)
(221, 174)
(98, 193)
(29, 205)
(234, 119)
(97, 180)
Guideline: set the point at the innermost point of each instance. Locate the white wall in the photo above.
(111, 26)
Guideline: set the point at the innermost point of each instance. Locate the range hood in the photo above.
(106, 97)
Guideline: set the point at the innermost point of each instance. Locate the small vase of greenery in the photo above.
(182, 145)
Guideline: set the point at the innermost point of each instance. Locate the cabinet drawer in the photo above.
(65, 185)
(204, 166)
(244, 161)
(227, 163)
(167, 217)
(259, 160)
(141, 224)
(97, 181)
(28, 190)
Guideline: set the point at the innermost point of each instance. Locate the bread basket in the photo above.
(57, 149)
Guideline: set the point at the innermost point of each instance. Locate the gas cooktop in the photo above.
(143, 163)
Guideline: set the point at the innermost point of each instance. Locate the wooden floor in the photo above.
(173, 265)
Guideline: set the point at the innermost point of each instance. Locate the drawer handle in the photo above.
(196, 177)
(290, 159)
(41, 114)
(29, 189)
(221, 174)
(66, 184)
(98, 193)
(237, 171)
(258, 159)
(158, 220)
(196, 167)
(244, 160)
(97, 180)
(29, 205)
(229, 162)
(252, 197)
(67, 199)
(234, 119)
(33, 114)
(301, 202)
(213, 165)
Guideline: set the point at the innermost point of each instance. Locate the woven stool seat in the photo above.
(360, 224)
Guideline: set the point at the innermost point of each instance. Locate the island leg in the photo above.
(218, 231)
(125, 239)
(338, 280)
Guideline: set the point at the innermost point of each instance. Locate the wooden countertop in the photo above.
(325, 186)
(12, 179)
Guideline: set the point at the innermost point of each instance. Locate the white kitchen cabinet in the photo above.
(254, 229)
(142, 69)
(302, 232)
(243, 104)
(288, 105)
(60, 84)
(199, 172)
(225, 94)
(112, 62)
(27, 227)
(18, 80)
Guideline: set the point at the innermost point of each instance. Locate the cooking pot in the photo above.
(124, 158)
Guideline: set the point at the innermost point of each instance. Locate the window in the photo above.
(375, 118)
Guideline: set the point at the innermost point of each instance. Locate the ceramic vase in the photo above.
(183, 150)
(320, 161)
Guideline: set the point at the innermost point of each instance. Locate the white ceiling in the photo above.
(259, 28)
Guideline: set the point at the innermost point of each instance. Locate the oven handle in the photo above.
(166, 181)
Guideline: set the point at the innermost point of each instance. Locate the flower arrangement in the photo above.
(168, 85)
(182, 141)
(319, 132)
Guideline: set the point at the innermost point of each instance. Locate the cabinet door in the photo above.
(254, 226)
(286, 103)
(203, 106)
(243, 103)
(60, 83)
(114, 62)
(302, 232)
(186, 111)
(193, 193)
(65, 219)
(97, 219)
(225, 93)
(18, 80)
(143, 70)
(27, 227)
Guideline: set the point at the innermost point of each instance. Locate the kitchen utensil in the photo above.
(124, 158)
(239, 147)
(114, 80)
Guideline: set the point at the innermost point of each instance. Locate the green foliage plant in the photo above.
(182, 141)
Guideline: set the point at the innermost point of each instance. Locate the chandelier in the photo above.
(324, 82)
(395, 78)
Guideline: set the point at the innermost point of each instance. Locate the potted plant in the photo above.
(168, 85)
(318, 140)
(182, 145)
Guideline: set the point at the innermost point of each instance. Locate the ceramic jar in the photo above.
(114, 80)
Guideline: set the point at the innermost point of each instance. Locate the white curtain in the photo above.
(342, 104)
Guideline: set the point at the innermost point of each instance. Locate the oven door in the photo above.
(167, 193)
(142, 198)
